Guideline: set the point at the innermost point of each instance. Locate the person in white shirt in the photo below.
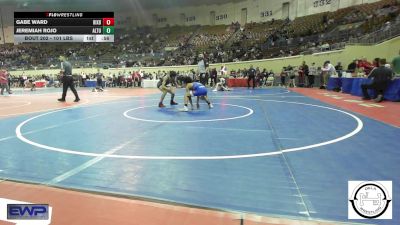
(311, 74)
(223, 70)
(327, 71)
(221, 85)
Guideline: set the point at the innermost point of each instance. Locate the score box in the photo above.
(64, 27)
(108, 30)
(108, 21)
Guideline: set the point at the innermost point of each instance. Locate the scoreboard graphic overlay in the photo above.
(63, 27)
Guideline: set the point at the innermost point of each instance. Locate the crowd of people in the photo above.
(303, 75)
(178, 45)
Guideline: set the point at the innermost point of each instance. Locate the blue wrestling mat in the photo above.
(263, 151)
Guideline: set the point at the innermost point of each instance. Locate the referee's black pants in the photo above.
(203, 78)
(254, 81)
(213, 81)
(100, 83)
(68, 82)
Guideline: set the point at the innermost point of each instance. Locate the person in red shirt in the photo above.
(136, 78)
(365, 65)
(4, 81)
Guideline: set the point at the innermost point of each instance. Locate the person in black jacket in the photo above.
(339, 69)
(67, 80)
(351, 68)
(381, 77)
(251, 75)
(306, 73)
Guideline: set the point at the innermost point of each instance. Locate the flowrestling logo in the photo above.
(370, 200)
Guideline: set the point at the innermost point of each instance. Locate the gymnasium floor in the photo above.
(271, 152)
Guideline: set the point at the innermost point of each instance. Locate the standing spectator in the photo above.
(213, 76)
(396, 64)
(22, 80)
(4, 81)
(283, 76)
(300, 77)
(83, 79)
(312, 73)
(99, 81)
(141, 77)
(263, 77)
(67, 80)
(114, 80)
(303, 74)
(251, 75)
(327, 71)
(306, 70)
(121, 80)
(291, 75)
(259, 77)
(381, 77)
(136, 78)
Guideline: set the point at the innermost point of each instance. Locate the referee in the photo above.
(202, 69)
(67, 80)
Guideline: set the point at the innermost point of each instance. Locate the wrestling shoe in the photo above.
(61, 100)
(173, 103)
(77, 100)
(210, 106)
(161, 105)
(184, 109)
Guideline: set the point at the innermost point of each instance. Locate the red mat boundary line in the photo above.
(69, 207)
(386, 111)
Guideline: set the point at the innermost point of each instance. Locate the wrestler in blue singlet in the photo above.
(199, 89)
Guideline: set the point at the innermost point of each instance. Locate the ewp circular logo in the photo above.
(370, 199)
